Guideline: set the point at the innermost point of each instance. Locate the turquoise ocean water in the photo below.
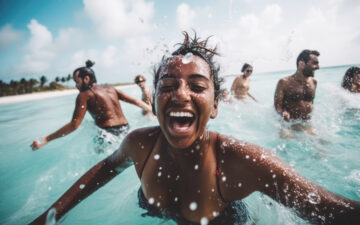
(31, 181)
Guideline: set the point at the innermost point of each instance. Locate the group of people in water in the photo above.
(205, 174)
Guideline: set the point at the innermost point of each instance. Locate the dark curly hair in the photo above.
(305, 56)
(198, 48)
(87, 71)
(349, 77)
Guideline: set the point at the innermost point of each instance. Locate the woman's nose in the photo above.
(182, 93)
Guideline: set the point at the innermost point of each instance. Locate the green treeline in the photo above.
(32, 85)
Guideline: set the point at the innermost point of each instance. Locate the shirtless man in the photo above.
(295, 94)
(102, 102)
(241, 85)
(146, 93)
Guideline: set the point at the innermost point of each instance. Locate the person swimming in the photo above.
(146, 92)
(193, 175)
(101, 101)
(351, 80)
(241, 85)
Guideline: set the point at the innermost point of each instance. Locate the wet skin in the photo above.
(295, 94)
(178, 161)
(241, 85)
(103, 104)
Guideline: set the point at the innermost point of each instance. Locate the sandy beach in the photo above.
(42, 95)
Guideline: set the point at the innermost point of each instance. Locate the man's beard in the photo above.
(308, 72)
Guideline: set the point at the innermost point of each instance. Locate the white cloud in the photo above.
(119, 18)
(185, 16)
(8, 35)
(39, 54)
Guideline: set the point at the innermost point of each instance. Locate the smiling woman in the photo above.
(193, 175)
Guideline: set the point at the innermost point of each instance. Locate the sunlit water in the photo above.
(31, 181)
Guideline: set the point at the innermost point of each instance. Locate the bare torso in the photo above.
(104, 106)
(192, 177)
(298, 97)
(240, 87)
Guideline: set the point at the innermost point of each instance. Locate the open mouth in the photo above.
(181, 122)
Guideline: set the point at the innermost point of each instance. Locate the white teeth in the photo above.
(181, 114)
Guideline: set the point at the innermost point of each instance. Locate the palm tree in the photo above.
(32, 82)
(57, 79)
(43, 80)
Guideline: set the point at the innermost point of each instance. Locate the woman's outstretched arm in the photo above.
(92, 180)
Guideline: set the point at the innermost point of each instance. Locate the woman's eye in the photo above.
(197, 88)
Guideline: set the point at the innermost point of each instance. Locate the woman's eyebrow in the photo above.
(166, 75)
(198, 76)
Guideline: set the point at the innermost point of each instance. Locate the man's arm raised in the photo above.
(78, 116)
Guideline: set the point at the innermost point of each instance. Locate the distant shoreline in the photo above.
(43, 95)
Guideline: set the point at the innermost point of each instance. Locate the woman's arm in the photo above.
(92, 180)
(256, 169)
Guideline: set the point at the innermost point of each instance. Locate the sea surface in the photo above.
(31, 181)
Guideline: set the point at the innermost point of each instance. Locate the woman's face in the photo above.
(248, 71)
(184, 100)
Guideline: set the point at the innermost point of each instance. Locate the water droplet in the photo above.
(157, 156)
(273, 176)
(212, 190)
(196, 167)
(81, 186)
(49, 188)
(193, 206)
(266, 185)
(222, 161)
(204, 221)
(158, 204)
(176, 199)
(239, 184)
(151, 201)
(160, 168)
(51, 217)
(177, 177)
(197, 147)
(187, 58)
(168, 176)
(247, 156)
(215, 213)
(82, 106)
(159, 174)
(314, 198)
(254, 160)
(223, 178)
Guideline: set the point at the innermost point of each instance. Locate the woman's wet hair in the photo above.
(139, 78)
(199, 48)
(245, 66)
(349, 77)
(87, 71)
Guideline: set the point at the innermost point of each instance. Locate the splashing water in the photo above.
(50, 217)
(188, 58)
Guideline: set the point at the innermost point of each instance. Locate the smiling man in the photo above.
(295, 94)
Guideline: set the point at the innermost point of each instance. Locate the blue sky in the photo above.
(126, 37)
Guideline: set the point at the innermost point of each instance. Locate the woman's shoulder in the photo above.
(232, 146)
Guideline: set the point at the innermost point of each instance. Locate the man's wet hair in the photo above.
(87, 71)
(199, 48)
(305, 56)
(245, 66)
(349, 77)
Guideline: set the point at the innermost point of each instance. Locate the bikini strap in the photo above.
(147, 158)
(218, 170)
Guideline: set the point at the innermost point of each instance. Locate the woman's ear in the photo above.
(214, 110)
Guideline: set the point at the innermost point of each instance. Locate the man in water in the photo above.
(102, 102)
(295, 94)
(146, 93)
